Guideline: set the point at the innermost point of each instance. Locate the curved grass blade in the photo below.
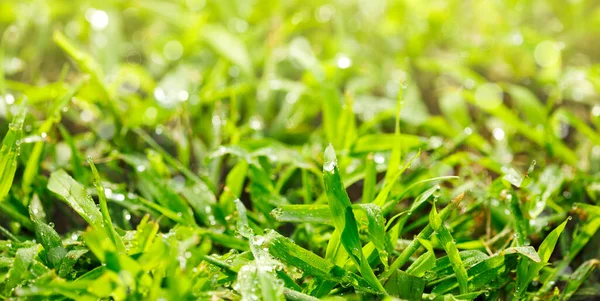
(106, 220)
(528, 268)
(479, 275)
(370, 181)
(381, 198)
(282, 248)
(20, 269)
(443, 234)
(76, 197)
(425, 262)
(10, 151)
(577, 278)
(424, 234)
(520, 223)
(252, 274)
(50, 240)
(582, 236)
(422, 198)
(319, 214)
(343, 217)
(405, 286)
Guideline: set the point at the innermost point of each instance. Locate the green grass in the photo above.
(299, 150)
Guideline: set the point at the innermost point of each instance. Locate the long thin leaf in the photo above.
(106, 220)
(75, 196)
(11, 149)
(343, 217)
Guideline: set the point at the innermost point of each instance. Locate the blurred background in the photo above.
(158, 54)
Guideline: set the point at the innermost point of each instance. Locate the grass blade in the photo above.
(527, 269)
(368, 194)
(405, 286)
(424, 234)
(578, 277)
(50, 240)
(106, 220)
(284, 249)
(76, 197)
(11, 149)
(443, 234)
(343, 217)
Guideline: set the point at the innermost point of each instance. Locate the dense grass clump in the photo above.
(299, 150)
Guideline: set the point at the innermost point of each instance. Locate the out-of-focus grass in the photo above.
(299, 150)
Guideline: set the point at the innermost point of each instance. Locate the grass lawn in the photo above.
(299, 150)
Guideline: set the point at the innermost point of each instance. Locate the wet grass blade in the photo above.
(521, 224)
(577, 278)
(527, 269)
(303, 214)
(106, 220)
(425, 262)
(50, 240)
(20, 269)
(370, 181)
(76, 197)
(11, 149)
(381, 198)
(343, 217)
(447, 242)
(581, 237)
(405, 286)
(288, 252)
(424, 234)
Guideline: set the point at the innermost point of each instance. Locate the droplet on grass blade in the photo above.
(330, 159)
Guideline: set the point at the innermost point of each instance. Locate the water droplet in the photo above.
(324, 13)
(596, 111)
(531, 167)
(216, 120)
(9, 99)
(258, 240)
(344, 62)
(437, 192)
(498, 134)
(277, 212)
(256, 123)
(183, 95)
(97, 18)
(379, 158)
(330, 159)
(173, 50)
